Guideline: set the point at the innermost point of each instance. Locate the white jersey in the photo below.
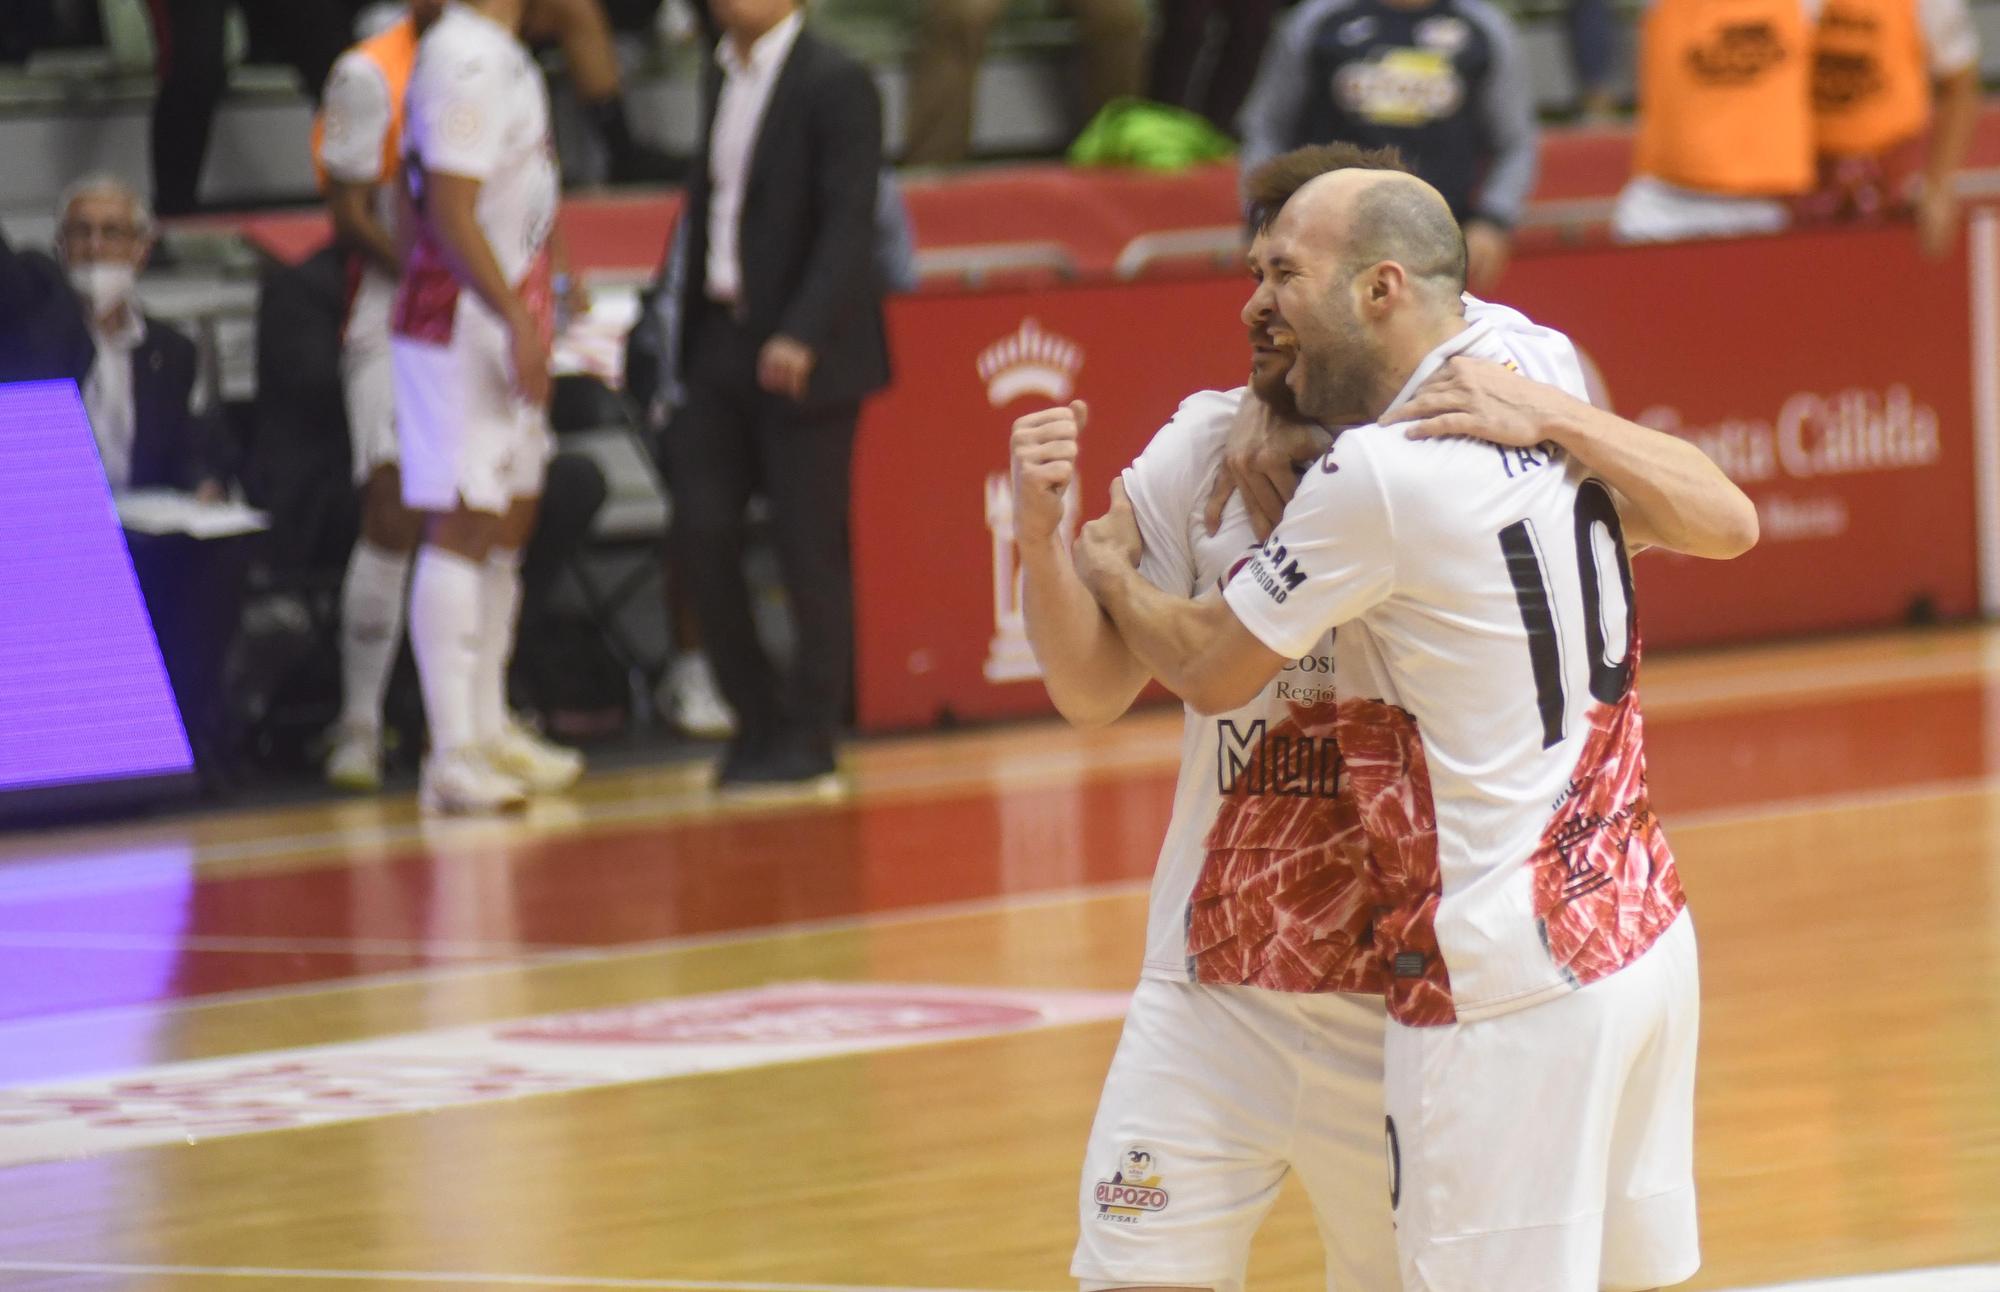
(358, 117)
(477, 109)
(1488, 718)
(1260, 881)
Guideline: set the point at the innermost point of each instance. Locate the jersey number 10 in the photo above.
(1609, 679)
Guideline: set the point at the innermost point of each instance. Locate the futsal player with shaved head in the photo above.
(1524, 911)
(1254, 1043)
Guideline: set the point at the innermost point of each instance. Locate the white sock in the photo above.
(371, 630)
(499, 611)
(445, 596)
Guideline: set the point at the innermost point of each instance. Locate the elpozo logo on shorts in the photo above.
(1133, 1189)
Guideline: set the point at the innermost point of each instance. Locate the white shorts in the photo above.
(1214, 1094)
(466, 435)
(1652, 210)
(368, 376)
(1553, 1147)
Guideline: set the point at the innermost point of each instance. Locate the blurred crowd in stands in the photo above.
(763, 334)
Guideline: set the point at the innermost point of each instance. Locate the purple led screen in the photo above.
(83, 694)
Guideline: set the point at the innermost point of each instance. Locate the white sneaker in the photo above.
(698, 709)
(543, 767)
(462, 782)
(354, 763)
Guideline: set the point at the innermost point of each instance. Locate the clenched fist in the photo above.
(1044, 450)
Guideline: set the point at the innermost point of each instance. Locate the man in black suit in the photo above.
(782, 338)
(77, 316)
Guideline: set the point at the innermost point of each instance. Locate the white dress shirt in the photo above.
(107, 395)
(746, 91)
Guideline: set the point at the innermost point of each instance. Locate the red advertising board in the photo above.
(936, 636)
(1830, 373)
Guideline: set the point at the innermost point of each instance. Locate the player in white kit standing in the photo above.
(471, 328)
(358, 155)
(1540, 968)
(1253, 1046)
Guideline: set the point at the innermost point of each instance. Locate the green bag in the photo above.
(1153, 136)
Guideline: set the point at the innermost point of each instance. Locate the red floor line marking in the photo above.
(1816, 804)
(1971, 1278)
(41, 939)
(587, 955)
(435, 1276)
(1677, 822)
(1758, 688)
(692, 803)
(566, 818)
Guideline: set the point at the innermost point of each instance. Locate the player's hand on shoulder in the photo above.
(1261, 460)
(1043, 450)
(1484, 400)
(1111, 545)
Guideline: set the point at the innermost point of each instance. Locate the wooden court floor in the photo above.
(1835, 807)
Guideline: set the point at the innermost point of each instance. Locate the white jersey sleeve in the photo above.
(1168, 484)
(1331, 559)
(1950, 37)
(457, 109)
(355, 112)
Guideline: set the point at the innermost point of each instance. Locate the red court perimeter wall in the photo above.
(1830, 373)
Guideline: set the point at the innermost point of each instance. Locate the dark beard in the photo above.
(1337, 389)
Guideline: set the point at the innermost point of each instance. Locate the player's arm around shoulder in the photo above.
(1330, 560)
(1197, 649)
(1090, 675)
(1669, 493)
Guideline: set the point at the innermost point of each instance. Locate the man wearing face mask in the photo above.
(77, 316)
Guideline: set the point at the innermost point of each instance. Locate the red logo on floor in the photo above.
(808, 1018)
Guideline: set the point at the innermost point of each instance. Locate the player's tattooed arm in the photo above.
(1090, 674)
(1197, 649)
(1669, 493)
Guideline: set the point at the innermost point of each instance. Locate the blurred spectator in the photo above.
(1725, 121)
(951, 41)
(1442, 81)
(778, 335)
(1593, 30)
(1185, 34)
(1884, 71)
(78, 317)
(1752, 117)
(307, 35)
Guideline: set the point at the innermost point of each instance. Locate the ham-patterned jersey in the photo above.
(477, 108)
(1489, 721)
(1260, 882)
